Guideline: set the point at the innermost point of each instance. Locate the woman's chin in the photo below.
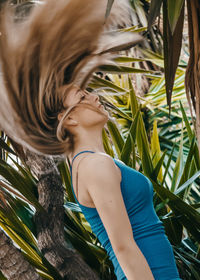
(106, 114)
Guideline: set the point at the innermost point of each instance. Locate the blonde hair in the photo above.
(60, 43)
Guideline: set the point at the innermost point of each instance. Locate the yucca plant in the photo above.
(18, 205)
(172, 204)
(174, 187)
(139, 136)
(173, 14)
(133, 148)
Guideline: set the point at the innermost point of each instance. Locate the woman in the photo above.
(116, 200)
(47, 61)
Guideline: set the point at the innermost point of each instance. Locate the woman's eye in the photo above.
(82, 97)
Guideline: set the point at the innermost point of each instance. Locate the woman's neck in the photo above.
(92, 142)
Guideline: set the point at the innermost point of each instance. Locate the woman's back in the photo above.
(148, 230)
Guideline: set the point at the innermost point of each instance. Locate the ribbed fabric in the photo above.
(148, 230)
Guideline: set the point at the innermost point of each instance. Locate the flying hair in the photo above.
(60, 43)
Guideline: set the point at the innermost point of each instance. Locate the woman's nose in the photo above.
(93, 96)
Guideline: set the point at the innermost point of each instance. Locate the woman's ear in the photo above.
(70, 121)
(60, 116)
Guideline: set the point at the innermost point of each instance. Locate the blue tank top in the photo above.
(148, 230)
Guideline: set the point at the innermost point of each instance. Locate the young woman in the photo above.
(46, 63)
(116, 200)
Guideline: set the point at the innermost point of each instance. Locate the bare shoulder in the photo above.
(96, 165)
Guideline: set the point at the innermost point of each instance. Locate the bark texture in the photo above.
(50, 226)
(12, 263)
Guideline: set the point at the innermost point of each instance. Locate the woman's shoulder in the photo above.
(98, 164)
(96, 159)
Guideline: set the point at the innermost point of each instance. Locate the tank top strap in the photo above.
(76, 195)
(81, 153)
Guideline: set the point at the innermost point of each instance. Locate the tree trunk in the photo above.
(12, 263)
(50, 226)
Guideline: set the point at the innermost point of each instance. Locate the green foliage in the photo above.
(144, 137)
(174, 10)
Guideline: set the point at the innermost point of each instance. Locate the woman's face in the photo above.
(89, 112)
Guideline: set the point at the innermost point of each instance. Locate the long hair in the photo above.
(60, 43)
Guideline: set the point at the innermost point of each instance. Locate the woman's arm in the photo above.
(100, 176)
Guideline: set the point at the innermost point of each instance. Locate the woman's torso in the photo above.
(148, 230)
